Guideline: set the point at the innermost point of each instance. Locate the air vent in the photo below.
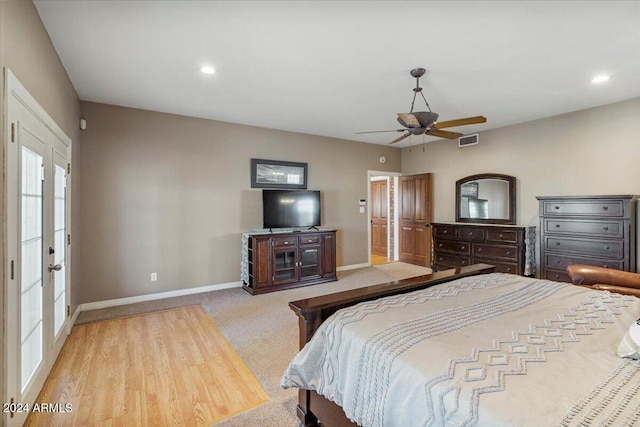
(463, 141)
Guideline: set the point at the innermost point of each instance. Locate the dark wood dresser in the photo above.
(277, 261)
(509, 248)
(592, 230)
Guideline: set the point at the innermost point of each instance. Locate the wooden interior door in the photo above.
(416, 213)
(379, 218)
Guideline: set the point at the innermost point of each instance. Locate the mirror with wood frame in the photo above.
(486, 198)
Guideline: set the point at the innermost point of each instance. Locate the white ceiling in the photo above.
(335, 68)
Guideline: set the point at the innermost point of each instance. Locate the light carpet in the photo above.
(264, 332)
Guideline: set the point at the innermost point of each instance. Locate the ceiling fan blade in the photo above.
(379, 131)
(460, 122)
(400, 138)
(408, 120)
(444, 134)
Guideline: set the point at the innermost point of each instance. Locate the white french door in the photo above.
(38, 155)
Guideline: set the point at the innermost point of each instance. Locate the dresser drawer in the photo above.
(309, 240)
(445, 232)
(556, 276)
(471, 234)
(285, 241)
(501, 267)
(600, 208)
(560, 262)
(506, 236)
(451, 261)
(603, 248)
(495, 251)
(594, 228)
(462, 248)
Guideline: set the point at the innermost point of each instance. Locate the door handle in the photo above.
(56, 267)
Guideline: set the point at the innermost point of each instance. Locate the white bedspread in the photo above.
(490, 350)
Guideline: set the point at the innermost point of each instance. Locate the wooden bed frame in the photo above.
(314, 409)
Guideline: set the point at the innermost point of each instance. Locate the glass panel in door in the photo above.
(309, 262)
(59, 233)
(31, 238)
(285, 265)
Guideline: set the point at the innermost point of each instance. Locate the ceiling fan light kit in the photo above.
(426, 122)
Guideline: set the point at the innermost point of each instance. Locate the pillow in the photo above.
(630, 344)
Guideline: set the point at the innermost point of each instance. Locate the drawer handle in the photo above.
(440, 259)
(406, 228)
(606, 248)
(463, 247)
(557, 225)
(508, 252)
(557, 207)
(286, 243)
(439, 245)
(558, 261)
(606, 208)
(557, 243)
(479, 250)
(463, 262)
(605, 228)
(445, 231)
(508, 269)
(471, 233)
(501, 235)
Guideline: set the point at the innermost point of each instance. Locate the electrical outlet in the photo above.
(154, 277)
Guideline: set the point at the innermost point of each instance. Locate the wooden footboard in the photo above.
(313, 311)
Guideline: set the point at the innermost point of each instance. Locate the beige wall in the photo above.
(171, 194)
(595, 151)
(26, 49)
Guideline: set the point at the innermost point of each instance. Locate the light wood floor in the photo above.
(379, 259)
(169, 368)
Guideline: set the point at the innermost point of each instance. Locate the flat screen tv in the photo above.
(290, 208)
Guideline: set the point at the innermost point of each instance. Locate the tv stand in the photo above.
(277, 261)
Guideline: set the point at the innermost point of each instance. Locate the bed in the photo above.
(466, 347)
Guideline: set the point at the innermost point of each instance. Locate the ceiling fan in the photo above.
(425, 122)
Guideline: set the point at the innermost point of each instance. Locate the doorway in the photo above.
(37, 245)
(382, 217)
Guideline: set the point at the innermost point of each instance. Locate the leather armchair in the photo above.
(622, 282)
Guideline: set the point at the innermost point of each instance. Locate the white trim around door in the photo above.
(391, 176)
(37, 253)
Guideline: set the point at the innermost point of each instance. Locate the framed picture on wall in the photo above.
(278, 174)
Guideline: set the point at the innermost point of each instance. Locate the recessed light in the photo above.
(208, 70)
(601, 78)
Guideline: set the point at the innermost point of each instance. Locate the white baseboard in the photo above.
(76, 313)
(151, 297)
